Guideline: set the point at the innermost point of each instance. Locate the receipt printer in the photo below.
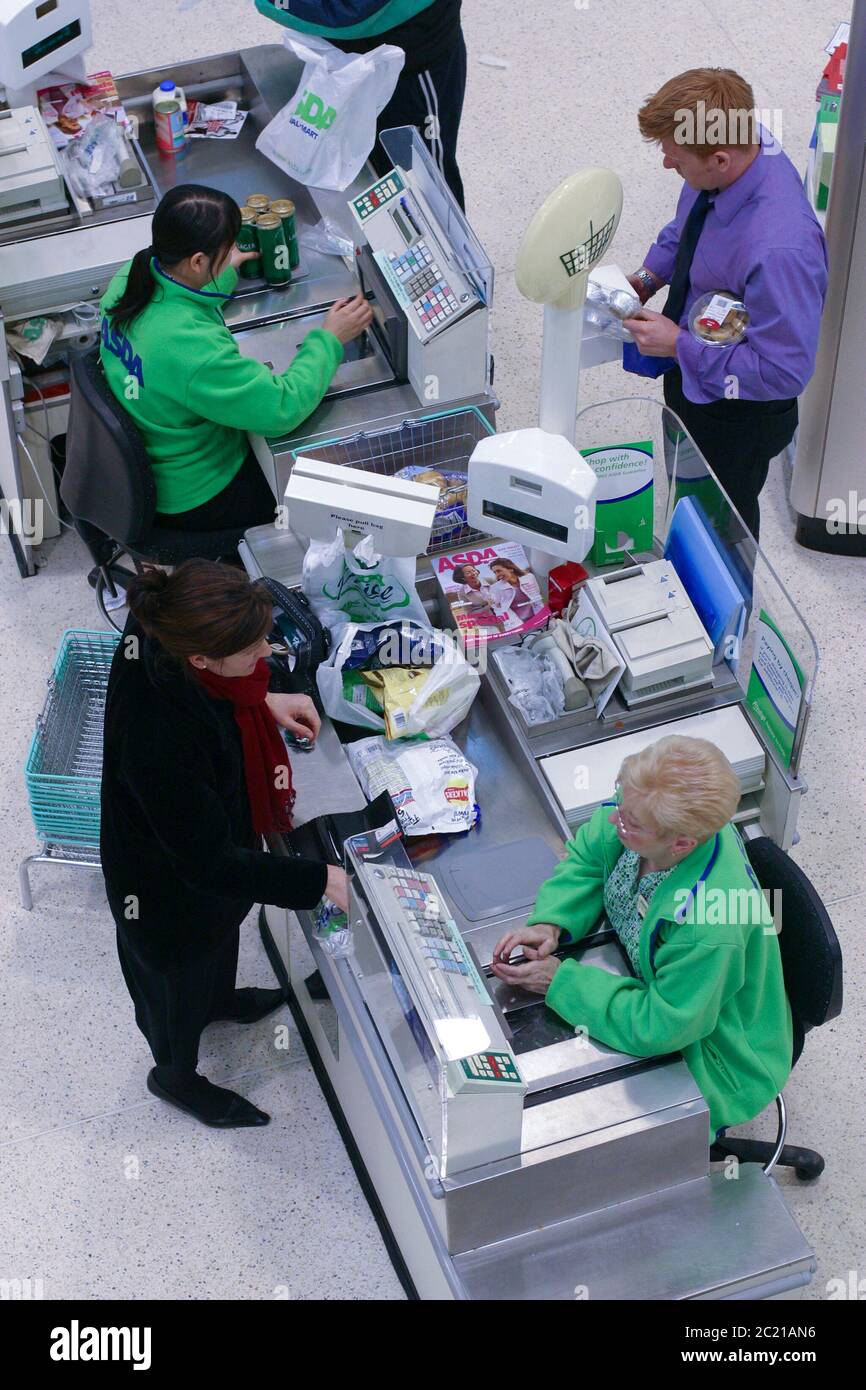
(655, 629)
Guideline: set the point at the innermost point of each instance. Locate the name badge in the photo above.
(642, 905)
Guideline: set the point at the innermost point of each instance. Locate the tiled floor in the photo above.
(105, 1192)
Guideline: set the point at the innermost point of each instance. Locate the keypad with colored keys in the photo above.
(431, 295)
(428, 927)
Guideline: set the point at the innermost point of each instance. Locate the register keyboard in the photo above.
(432, 956)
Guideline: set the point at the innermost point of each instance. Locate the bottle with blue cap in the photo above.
(170, 117)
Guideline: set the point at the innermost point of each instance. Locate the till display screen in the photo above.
(58, 39)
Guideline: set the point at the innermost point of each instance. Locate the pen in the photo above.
(405, 206)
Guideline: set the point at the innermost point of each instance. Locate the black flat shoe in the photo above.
(241, 1114)
(316, 987)
(249, 1005)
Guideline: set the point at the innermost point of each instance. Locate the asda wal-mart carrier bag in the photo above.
(324, 134)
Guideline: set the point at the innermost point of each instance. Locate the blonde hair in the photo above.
(717, 101)
(690, 785)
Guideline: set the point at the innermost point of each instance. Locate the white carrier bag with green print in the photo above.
(323, 135)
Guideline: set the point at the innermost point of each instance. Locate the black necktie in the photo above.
(676, 300)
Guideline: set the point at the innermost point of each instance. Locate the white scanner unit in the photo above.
(534, 487)
(397, 512)
(655, 629)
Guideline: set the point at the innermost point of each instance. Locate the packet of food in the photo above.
(719, 318)
(396, 688)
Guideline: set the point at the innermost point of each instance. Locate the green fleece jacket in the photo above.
(710, 954)
(177, 370)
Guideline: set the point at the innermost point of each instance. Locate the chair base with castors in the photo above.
(807, 1164)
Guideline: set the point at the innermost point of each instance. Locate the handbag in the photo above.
(298, 627)
(323, 837)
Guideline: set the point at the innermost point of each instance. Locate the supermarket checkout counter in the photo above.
(58, 260)
(504, 1156)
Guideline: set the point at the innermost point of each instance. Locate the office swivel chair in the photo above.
(812, 967)
(109, 488)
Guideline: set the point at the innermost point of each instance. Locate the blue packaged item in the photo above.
(392, 644)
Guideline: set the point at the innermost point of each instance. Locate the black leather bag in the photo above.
(298, 627)
(324, 837)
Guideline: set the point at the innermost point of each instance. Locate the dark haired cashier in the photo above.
(175, 367)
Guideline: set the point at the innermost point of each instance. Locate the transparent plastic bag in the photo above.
(535, 684)
(325, 237)
(92, 161)
(439, 699)
(331, 929)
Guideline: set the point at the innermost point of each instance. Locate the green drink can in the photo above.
(248, 240)
(274, 250)
(285, 210)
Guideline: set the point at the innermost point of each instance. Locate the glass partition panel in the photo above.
(750, 615)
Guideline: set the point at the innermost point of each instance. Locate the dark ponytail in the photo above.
(203, 608)
(189, 218)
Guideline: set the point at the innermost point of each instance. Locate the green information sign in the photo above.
(775, 687)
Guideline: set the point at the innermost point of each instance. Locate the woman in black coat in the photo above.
(195, 771)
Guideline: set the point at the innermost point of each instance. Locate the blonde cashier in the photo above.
(175, 367)
(708, 988)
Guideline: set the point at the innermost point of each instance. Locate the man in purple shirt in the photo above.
(743, 224)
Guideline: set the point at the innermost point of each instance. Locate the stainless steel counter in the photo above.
(611, 1193)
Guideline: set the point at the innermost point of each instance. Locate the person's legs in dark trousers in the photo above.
(172, 1007)
(432, 100)
(246, 501)
(231, 1004)
(738, 439)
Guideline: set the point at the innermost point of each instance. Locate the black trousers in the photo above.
(738, 439)
(246, 501)
(172, 1007)
(432, 100)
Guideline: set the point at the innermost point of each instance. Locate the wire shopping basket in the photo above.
(63, 770)
(441, 443)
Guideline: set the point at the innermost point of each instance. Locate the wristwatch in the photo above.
(647, 278)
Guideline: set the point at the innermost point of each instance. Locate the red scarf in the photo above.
(266, 760)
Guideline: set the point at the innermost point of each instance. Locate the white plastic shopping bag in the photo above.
(440, 696)
(359, 584)
(323, 135)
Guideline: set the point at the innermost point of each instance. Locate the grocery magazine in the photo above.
(491, 590)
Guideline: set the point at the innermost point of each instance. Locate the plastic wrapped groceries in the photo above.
(610, 299)
(450, 518)
(331, 929)
(431, 783)
(395, 699)
(535, 684)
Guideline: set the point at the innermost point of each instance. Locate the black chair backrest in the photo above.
(811, 955)
(108, 481)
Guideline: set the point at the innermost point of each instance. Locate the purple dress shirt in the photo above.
(761, 240)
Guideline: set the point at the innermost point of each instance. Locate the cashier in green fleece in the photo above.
(707, 968)
(175, 367)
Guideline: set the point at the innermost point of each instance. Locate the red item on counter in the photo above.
(833, 75)
(561, 582)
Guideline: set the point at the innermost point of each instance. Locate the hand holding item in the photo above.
(346, 318)
(297, 713)
(337, 887)
(536, 975)
(537, 941)
(237, 257)
(654, 334)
